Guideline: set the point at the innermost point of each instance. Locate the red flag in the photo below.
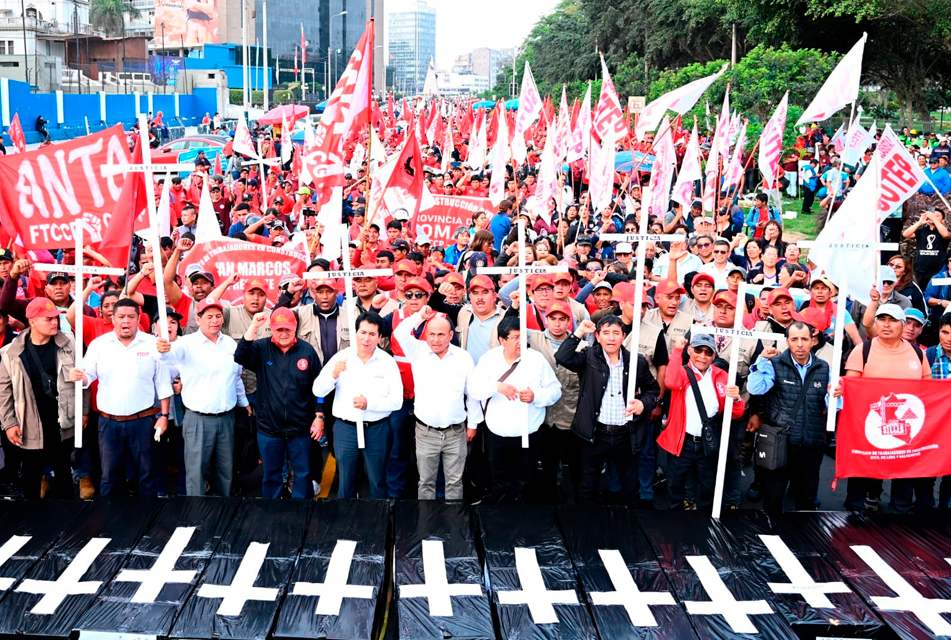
(218, 170)
(131, 213)
(376, 116)
(404, 189)
(894, 429)
(16, 134)
(405, 111)
(303, 47)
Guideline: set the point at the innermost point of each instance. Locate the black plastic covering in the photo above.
(677, 535)
(122, 521)
(449, 523)
(507, 527)
(850, 616)
(113, 611)
(363, 522)
(278, 523)
(588, 530)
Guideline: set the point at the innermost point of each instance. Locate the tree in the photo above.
(109, 16)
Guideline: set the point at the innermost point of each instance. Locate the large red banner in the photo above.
(45, 190)
(450, 212)
(224, 258)
(894, 429)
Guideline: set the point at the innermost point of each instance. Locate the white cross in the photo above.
(928, 610)
(437, 588)
(521, 271)
(722, 603)
(635, 602)
(735, 333)
(814, 593)
(838, 333)
(242, 586)
(69, 582)
(7, 551)
(331, 592)
(534, 593)
(163, 571)
(348, 275)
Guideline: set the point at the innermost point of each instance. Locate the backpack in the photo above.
(867, 349)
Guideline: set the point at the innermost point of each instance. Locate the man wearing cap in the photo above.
(131, 378)
(211, 388)
(700, 306)
(622, 253)
(683, 435)
(36, 399)
(940, 181)
(507, 382)
(866, 315)
(562, 284)
(24, 285)
(453, 287)
(238, 319)
(366, 254)
(782, 313)
(888, 355)
(542, 289)
(446, 417)
(821, 291)
(781, 379)
(667, 316)
(914, 325)
(288, 415)
(58, 290)
(477, 321)
(366, 383)
(610, 424)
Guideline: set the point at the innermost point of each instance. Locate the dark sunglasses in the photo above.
(415, 295)
(705, 245)
(704, 351)
(720, 252)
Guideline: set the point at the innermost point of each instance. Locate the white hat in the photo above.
(422, 238)
(401, 214)
(623, 247)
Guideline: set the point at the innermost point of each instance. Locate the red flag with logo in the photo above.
(894, 429)
(16, 134)
(131, 213)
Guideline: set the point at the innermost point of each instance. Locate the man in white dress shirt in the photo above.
(441, 372)
(131, 377)
(367, 383)
(508, 383)
(211, 387)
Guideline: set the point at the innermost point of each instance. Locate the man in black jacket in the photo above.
(288, 416)
(609, 423)
(781, 378)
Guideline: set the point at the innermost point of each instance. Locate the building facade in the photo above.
(411, 36)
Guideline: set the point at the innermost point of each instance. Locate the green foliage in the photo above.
(236, 96)
(109, 15)
(283, 96)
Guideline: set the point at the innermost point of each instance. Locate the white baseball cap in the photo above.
(623, 247)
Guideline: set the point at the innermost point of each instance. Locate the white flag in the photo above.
(562, 127)
(547, 175)
(206, 228)
(856, 141)
(287, 145)
(164, 212)
(733, 174)
(662, 174)
(529, 108)
(581, 134)
(447, 149)
(601, 175)
(771, 142)
(840, 88)
(689, 171)
(477, 146)
(679, 100)
(243, 143)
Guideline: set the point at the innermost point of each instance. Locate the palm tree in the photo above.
(109, 16)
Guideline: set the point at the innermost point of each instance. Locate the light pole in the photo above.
(330, 39)
(164, 67)
(26, 59)
(265, 68)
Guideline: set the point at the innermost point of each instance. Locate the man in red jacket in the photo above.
(682, 437)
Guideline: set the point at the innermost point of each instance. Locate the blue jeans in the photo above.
(402, 426)
(132, 440)
(646, 465)
(348, 458)
(274, 451)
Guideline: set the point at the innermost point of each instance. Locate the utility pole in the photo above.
(733, 55)
(265, 68)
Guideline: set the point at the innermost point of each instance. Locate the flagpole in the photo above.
(370, 136)
(633, 172)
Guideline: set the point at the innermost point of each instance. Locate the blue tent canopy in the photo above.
(485, 104)
(626, 160)
(511, 105)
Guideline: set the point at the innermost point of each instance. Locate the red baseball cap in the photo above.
(456, 279)
(815, 318)
(482, 282)
(405, 265)
(540, 279)
(418, 283)
(208, 303)
(256, 283)
(324, 282)
(41, 308)
(561, 277)
(669, 287)
(703, 276)
(725, 296)
(623, 292)
(559, 307)
(283, 319)
(776, 294)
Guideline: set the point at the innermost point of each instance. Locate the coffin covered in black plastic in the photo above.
(239, 594)
(65, 580)
(872, 556)
(804, 586)
(336, 587)
(532, 582)
(435, 545)
(162, 570)
(722, 595)
(627, 591)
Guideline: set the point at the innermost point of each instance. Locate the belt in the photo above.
(211, 415)
(611, 428)
(696, 439)
(366, 423)
(134, 416)
(439, 428)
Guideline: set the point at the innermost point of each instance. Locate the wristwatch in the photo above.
(163, 415)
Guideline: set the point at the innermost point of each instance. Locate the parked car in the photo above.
(169, 152)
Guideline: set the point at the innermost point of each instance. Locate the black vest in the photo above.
(809, 427)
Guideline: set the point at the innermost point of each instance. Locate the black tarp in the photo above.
(676, 536)
(279, 524)
(447, 524)
(114, 610)
(42, 522)
(836, 534)
(364, 523)
(122, 522)
(593, 531)
(504, 530)
(848, 617)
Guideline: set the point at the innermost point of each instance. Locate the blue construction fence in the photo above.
(77, 109)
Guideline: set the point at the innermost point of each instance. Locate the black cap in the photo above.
(583, 240)
(170, 312)
(57, 275)
(399, 243)
(6, 254)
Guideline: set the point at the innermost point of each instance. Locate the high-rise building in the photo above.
(411, 34)
(483, 62)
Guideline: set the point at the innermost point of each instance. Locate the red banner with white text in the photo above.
(893, 429)
(450, 213)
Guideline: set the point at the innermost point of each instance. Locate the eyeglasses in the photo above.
(888, 283)
(544, 290)
(415, 295)
(720, 252)
(621, 254)
(703, 351)
(705, 245)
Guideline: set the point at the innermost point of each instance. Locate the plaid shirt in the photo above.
(612, 404)
(941, 369)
